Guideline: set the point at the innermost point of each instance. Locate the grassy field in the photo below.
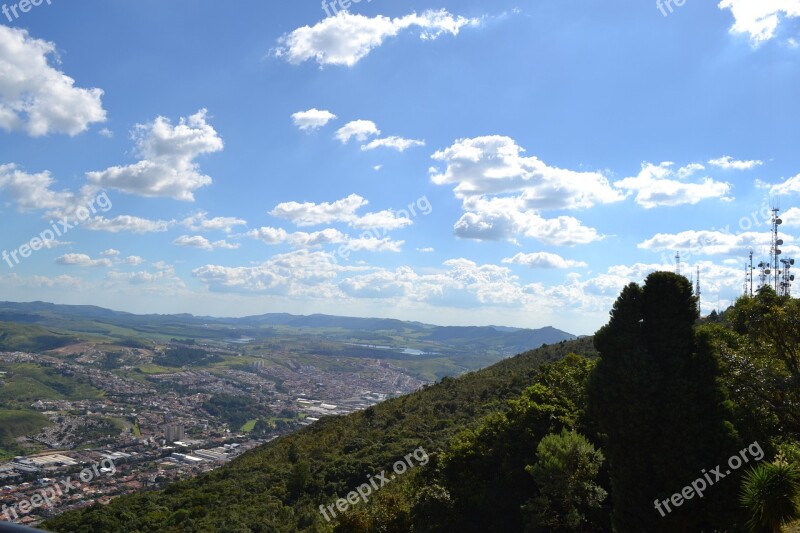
(25, 338)
(249, 426)
(30, 382)
(13, 424)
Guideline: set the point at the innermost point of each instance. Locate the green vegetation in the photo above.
(253, 492)
(770, 495)
(249, 425)
(29, 382)
(15, 424)
(566, 471)
(236, 411)
(22, 338)
(554, 440)
(655, 389)
(182, 356)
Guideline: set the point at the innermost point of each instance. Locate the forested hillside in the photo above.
(680, 424)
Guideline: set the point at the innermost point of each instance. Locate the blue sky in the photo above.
(513, 162)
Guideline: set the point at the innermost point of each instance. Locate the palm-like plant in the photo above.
(770, 494)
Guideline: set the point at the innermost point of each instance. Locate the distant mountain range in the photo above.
(84, 319)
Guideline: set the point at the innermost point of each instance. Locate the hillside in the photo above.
(280, 486)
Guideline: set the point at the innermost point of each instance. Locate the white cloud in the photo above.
(543, 260)
(32, 191)
(373, 244)
(198, 241)
(313, 119)
(269, 235)
(495, 165)
(161, 281)
(168, 168)
(82, 260)
(660, 185)
(302, 273)
(345, 39)
(689, 170)
(760, 18)
(428, 250)
(790, 186)
(110, 253)
(360, 129)
(201, 222)
(300, 239)
(127, 223)
(37, 98)
(791, 217)
(340, 211)
(386, 220)
(133, 260)
(729, 163)
(310, 214)
(498, 219)
(395, 143)
(705, 242)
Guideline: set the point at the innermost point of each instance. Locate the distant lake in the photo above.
(243, 340)
(404, 351)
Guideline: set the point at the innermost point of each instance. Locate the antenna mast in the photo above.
(697, 289)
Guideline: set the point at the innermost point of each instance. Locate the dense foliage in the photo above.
(554, 440)
(656, 398)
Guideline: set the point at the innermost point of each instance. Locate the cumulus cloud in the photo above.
(300, 273)
(709, 242)
(729, 163)
(341, 211)
(791, 217)
(360, 129)
(201, 222)
(133, 260)
(35, 97)
(395, 143)
(127, 223)
(789, 186)
(385, 220)
(198, 241)
(505, 219)
(760, 19)
(345, 39)
(168, 168)
(33, 191)
(543, 260)
(496, 165)
(82, 260)
(111, 252)
(660, 185)
(300, 239)
(311, 214)
(313, 119)
(374, 244)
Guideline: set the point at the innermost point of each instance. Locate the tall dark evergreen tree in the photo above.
(655, 396)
